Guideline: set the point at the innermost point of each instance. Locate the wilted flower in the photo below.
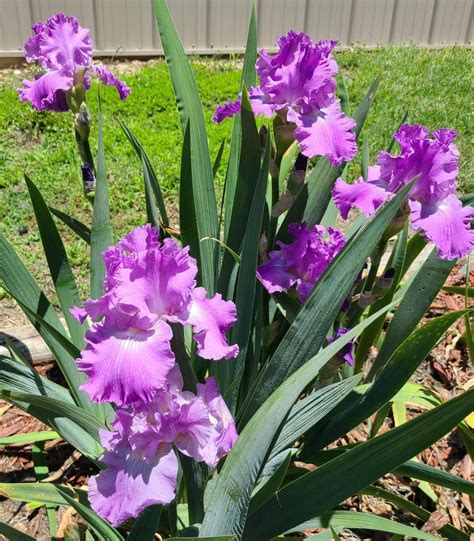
(140, 450)
(64, 50)
(434, 208)
(148, 286)
(302, 262)
(299, 84)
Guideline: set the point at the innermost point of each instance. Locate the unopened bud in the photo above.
(88, 178)
(83, 122)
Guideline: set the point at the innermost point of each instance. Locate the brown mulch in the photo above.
(446, 370)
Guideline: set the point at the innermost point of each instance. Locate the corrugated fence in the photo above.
(127, 27)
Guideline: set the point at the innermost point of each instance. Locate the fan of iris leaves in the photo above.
(289, 408)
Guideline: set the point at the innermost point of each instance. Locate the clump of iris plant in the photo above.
(150, 287)
(298, 84)
(63, 48)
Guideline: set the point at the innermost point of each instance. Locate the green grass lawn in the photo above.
(433, 86)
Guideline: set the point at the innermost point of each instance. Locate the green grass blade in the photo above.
(312, 201)
(187, 215)
(271, 486)
(423, 472)
(12, 534)
(23, 287)
(101, 234)
(23, 378)
(58, 262)
(460, 290)
(450, 532)
(218, 159)
(152, 214)
(146, 524)
(30, 437)
(191, 116)
(228, 502)
(417, 299)
(401, 366)
(100, 526)
(246, 185)
(78, 227)
(78, 427)
(308, 332)
(309, 411)
(247, 282)
(148, 170)
(41, 492)
(335, 481)
(396, 262)
(248, 79)
(74, 425)
(362, 521)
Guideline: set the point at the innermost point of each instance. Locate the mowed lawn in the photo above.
(434, 87)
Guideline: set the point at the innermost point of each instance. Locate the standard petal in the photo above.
(211, 318)
(132, 483)
(226, 110)
(446, 224)
(109, 79)
(366, 196)
(326, 132)
(63, 40)
(126, 364)
(47, 92)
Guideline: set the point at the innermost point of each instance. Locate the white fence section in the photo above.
(128, 28)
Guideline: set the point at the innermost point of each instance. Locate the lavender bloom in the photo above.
(140, 451)
(299, 84)
(302, 262)
(64, 50)
(345, 354)
(148, 285)
(434, 208)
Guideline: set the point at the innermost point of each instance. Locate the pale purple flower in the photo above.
(299, 84)
(64, 50)
(345, 354)
(140, 450)
(435, 209)
(148, 286)
(302, 262)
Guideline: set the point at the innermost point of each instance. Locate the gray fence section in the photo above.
(127, 27)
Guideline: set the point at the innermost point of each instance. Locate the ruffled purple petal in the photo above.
(326, 132)
(109, 79)
(302, 262)
(59, 41)
(132, 483)
(226, 110)
(446, 224)
(47, 92)
(366, 196)
(300, 74)
(261, 104)
(126, 364)
(224, 432)
(211, 318)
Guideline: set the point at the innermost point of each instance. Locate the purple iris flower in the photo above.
(302, 262)
(346, 354)
(141, 448)
(64, 50)
(299, 84)
(148, 286)
(434, 208)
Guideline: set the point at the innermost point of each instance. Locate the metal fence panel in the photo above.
(127, 27)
